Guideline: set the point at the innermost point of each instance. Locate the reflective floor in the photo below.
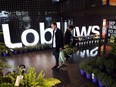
(44, 60)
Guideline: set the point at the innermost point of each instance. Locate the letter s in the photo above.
(96, 31)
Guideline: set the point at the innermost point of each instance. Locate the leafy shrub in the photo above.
(69, 50)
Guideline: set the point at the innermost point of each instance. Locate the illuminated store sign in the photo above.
(112, 30)
(88, 53)
(23, 37)
(7, 39)
(85, 32)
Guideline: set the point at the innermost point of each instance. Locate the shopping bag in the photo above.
(61, 58)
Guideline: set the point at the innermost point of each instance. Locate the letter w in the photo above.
(83, 31)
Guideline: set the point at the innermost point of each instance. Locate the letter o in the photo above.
(24, 39)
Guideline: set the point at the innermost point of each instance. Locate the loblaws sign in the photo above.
(83, 31)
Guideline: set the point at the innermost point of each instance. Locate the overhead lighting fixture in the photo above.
(55, 0)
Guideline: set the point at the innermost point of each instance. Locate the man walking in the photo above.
(57, 43)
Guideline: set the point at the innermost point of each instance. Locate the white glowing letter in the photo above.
(43, 31)
(94, 52)
(7, 39)
(96, 31)
(24, 39)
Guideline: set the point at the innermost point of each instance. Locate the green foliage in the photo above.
(109, 64)
(88, 62)
(30, 80)
(91, 66)
(69, 50)
(88, 69)
(3, 65)
(100, 61)
(44, 46)
(8, 80)
(3, 48)
(95, 71)
(1, 33)
(82, 65)
(88, 65)
(100, 76)
(107, 80)
(113, 51)
(6, 85)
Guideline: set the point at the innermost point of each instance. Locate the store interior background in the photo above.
(27, 14)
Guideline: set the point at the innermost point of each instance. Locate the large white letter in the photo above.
(43, 32)
(77, 31)
(83, 32)
(65, 26)
(7, 39)
(96, 31)
(94, 52)
(24, 39)
(82, 54)
(87, 52)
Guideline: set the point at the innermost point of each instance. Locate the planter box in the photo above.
(94, 80)
(100, 84)
(88, 76)
(15, 52)
(82, 72)
(4, 54)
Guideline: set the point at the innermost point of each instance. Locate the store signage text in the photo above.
(112, 29)
(88, 53)
(85, 32)
(7, 39)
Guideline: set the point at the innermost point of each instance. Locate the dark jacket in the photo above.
(67, 37)
(59, 39)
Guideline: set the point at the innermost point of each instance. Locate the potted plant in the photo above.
(82, 66)
(100, 62)
(16, 50)
(69, 50)
(100, 76)
(94, 75)
(107, 80)
(30, 79)
(5, 53)
(88, 70)
(2, 66)
(109, 64)
(112, 53)
(6, 85)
